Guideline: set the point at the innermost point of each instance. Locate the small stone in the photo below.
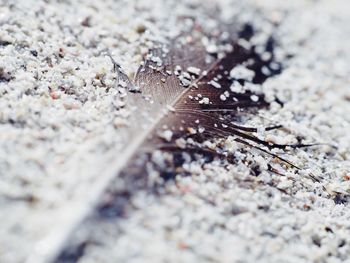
(194, 71)
(205, 101)
(166, 135)
(215, 84)
(254, 98)
(223, 97)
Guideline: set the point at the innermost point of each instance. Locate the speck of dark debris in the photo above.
(340, 199)
(34, 53)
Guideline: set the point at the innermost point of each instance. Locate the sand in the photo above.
(60, 119)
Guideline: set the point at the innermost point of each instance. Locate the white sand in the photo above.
(59, 133)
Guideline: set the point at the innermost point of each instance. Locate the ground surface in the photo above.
(60, 134)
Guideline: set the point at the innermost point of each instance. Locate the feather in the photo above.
(165, 112)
